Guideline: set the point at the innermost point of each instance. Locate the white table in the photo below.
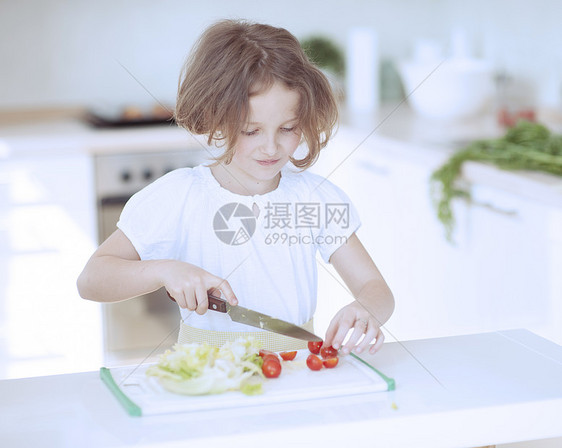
(458, 391)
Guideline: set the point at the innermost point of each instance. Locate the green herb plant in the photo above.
(325, 54)
(526, 146)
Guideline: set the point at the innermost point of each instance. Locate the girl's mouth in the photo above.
(268, 162)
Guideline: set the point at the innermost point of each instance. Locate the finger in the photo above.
(190, 300)
(378, 344)
(176, 298)
(179, 297)
(369, 336)
(215, 292)
(331, 333)
(202, 300)
(358, 331)
(226, 289)
(343, 329)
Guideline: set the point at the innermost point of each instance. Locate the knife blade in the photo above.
(254, 319)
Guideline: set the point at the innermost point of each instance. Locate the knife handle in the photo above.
(215, 303)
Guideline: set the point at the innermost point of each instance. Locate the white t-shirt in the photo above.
(270, 261)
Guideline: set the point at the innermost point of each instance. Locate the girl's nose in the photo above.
(269, 146)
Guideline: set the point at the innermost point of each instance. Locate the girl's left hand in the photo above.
(354, 316)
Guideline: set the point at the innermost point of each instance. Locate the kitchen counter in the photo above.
(468, 390)
(68, 135)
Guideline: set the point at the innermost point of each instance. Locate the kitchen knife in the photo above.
(253, 318)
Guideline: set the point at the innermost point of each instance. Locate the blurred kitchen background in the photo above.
(75, 73)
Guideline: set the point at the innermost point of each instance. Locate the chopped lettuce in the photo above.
(252, 386)
(199, 369)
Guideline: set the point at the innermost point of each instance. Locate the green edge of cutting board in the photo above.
(390, 383)
(130, 406)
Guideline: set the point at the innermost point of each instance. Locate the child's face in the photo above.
(269, 138)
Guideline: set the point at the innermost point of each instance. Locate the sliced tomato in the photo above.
(330, 363)
(328, 352)
(271, 368)
(288, 356)
(314, 346)
(313, 362)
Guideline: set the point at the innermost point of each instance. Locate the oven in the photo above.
(132, 328)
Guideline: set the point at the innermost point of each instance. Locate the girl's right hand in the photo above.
(189, 285)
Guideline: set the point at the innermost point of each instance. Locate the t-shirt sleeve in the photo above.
(151, 219)
(340, 219)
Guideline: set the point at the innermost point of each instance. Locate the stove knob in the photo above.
(126, 176)
(147, 174)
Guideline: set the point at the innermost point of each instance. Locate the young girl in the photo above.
(249, 225)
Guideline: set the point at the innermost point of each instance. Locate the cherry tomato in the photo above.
(264, 352)
(328, 352)
(314, 362)
(272, 357)
(288, 356)
(330, 363)
(314, 346)
(271, 368)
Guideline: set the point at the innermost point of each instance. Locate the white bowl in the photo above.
(458, 88)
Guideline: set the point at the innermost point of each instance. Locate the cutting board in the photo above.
(143, 395)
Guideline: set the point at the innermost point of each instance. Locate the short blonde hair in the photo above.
(233, 60)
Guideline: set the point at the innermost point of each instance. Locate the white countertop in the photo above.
(63, 136)
(457, 391)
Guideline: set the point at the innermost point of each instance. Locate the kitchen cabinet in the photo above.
(47, 233)
(511, 254)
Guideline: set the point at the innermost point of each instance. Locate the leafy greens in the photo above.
(199, 369)
(527, 146)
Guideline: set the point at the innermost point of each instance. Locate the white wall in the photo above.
(63, 52)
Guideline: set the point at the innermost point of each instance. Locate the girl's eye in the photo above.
(288, 129)
(248, 133)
